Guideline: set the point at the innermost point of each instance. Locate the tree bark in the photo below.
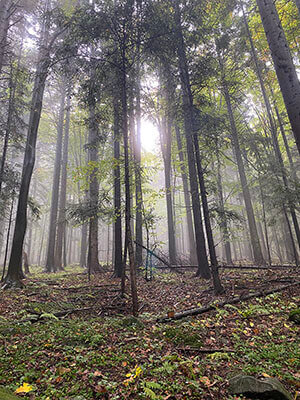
(187, 200)
(283, 62)
(50, 262)
(166, 144)
(93, 262)
(128, 234)
(188, 107)
(138, 175)
(223, 223)
(83, 247)
(61, 224)
(118, 263)
(257, 253)
(15, 262)
(5, 6)
(272, 128)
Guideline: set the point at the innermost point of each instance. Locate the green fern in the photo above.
(153, 385)
(149, 393)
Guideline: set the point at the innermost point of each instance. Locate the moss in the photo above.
(295, 316)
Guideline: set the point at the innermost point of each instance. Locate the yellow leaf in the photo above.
(265, 375)
(138, 371)
(25, 388)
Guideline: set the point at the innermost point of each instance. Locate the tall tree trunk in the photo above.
(166, 144)
(83, 248)
(117, 194)
(223, 223)
(5, 6)
(211, 246)
(188, 107)
(273, 128)
(257, 253)
(61, 224)
(128, 235)
(138, 175)
(7, 238)
(15, 262)
(93, 261)
(187, 200)
(50, 262)
(277, 246)
(283, 62)
(12, 90)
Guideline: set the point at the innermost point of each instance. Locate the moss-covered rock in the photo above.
(295, 316)
(265, 389)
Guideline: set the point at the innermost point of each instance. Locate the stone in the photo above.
(252, 388)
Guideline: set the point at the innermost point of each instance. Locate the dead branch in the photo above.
(197, 311)
(203, 350)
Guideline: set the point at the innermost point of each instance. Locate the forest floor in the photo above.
(101, 352)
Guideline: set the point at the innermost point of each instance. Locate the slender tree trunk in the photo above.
(223, 223)
(277, 246)
(61, 224)
(93, 261)
(283, 62)
(83, 248)
(26, 264)
(7, 238)
(15, 262)
(70, 248)
(187, 200)
(50, 262)
(12, 89)
(265, 222)
(211, 246)
(5, 6)
(128, 241)
(42, 241)
(138, 175)
(257, 253)
(117, 194)
(166, 142)
(289, 239)
(273, 128)
(188, 107)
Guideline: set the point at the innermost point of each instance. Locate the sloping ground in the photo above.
(102, 352)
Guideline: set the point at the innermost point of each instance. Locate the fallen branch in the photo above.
(197, 311)
(271, 267)
(155, 255)
(75, 288)
(59, 314)
(204, 351)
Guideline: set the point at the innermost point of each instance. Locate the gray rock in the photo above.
(265, 389)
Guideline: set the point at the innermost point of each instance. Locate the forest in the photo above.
(149, 199)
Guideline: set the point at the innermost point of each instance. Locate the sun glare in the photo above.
(149, 136)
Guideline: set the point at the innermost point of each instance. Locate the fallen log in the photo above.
(271, 267)
(202, 310)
